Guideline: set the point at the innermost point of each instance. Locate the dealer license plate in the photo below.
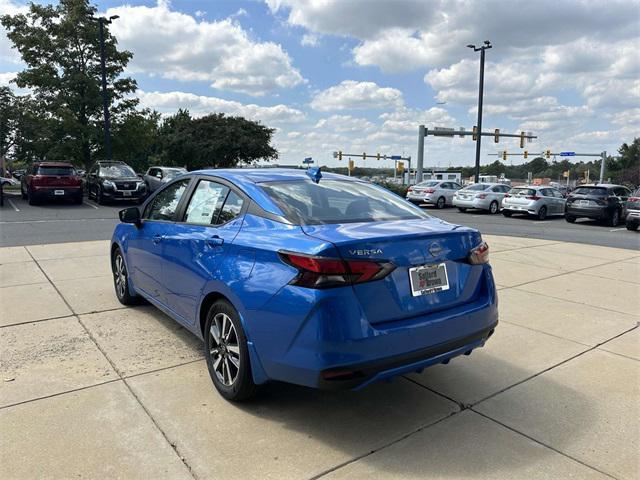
(428, 279)
(58, 192)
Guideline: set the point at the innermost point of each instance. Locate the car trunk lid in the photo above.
(406, 244)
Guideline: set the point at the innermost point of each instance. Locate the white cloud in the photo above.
(7, 53)
(198, 105)
(177, 46)
(345, 123)
(310, 40)
(410, 34)
(351, 95)
(6, 77)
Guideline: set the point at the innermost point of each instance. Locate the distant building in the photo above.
(442, 175)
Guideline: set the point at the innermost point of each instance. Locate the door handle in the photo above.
(157, 239)
(215, 241)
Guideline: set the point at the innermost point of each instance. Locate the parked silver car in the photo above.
(539, 201)
(483, 196)
(158, 176)
(434, 192)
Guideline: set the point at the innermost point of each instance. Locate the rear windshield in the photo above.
(590, 191)
(477, 187)
(522, 191)
(172, 172)
(428, 184)
(336, 201)
(59, 171)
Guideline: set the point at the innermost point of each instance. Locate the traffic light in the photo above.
(351, 165)
(364, 155)
(521, 139)
(474, 137)
(378, 156)
(496, 138)
(504, 155)
(400, 168)
(526, 154)
(548, 153)
(340, 155)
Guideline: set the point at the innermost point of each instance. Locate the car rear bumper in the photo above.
(597, 213)
(481, 203)
(531, 208)
(427, 198)
(50, 192)
(334, 346)
(633, 216)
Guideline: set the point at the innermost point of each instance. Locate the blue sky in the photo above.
(358, 75)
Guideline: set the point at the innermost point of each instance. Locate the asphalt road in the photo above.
(23, 224)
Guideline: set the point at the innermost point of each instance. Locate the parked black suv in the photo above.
(108, 181)
(600, 202)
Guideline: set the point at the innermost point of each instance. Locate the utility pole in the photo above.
(481, 49)
(604, 159)
(420, 166)
(105, 95)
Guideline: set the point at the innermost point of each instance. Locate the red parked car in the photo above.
(48, 180)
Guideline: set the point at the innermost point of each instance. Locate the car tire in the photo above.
(542, 213)
(614, 219)
(31, 198)
(227, 354)
(633, 226)
(121, 280)
(99, 197)
(507, 213)
(462, 209)
(494, 208)
(441, 202)
(23, 194)
(570, 218)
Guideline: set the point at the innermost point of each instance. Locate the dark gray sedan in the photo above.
(158, 176)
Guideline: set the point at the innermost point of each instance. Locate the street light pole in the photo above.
(481, 49)
(105, 95)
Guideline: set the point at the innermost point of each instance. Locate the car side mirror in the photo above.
(131, 215)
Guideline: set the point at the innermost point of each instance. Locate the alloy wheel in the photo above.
(224, 349)
(120, 275)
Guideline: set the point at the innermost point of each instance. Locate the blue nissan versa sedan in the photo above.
(305, 277)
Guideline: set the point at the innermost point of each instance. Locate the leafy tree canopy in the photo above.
(60, 46)
(215, 140)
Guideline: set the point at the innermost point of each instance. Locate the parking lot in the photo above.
(23, 224)
(553, 394)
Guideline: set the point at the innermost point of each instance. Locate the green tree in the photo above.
(215, 140)
(136, 138)
(60, 46)
(9, 112)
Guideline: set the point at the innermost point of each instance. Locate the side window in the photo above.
(232, 208)
(164, 206)
(206, 203)
(455, 186)
(152, 172)
(497, 189)
(445, 185)
(545, 192)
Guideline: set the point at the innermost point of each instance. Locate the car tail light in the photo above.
(325, 272)
(481, 195)
(634, 199)
(532, 197)
(430, 190)
(479, 254)
(410, 189)
(506, 195)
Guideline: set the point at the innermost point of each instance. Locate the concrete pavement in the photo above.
(91, 389)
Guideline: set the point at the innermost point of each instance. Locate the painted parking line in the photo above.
(13, 205)
(617, 229)
(60, 220)
(91, 205)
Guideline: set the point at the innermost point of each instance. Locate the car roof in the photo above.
(54, 164)
(260, 175)
(248, 180)
(600, 185)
